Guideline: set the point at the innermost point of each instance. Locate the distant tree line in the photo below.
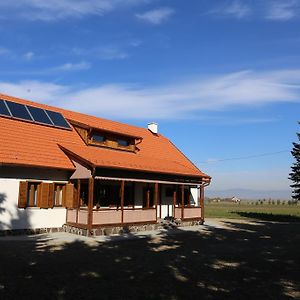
(295, 174)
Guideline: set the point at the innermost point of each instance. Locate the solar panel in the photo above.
(58, 119)
(3, 109)
(18, 111)
(33, 114)
(39, 115)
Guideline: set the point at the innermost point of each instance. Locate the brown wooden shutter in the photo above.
(70, 200)
(23, 191)
(39, 195)
(75, 196)
(51, 195)
(44, 195)
(64, 196)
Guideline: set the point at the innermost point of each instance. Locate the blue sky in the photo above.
(222, 78)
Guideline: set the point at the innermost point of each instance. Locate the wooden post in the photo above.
(78, 199)
(174, 200)
(122, 200)
(182, 202)
(160, 200)
(90, 205)
(133, 194)
(156, 197)
(148, 196)
(202, 201)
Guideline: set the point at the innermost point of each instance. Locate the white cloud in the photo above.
(235, 9)
(28, 56)
(51, 10)
(35, 90)
(72, 67)
(283, 10)
(156, 16)
(177, 100)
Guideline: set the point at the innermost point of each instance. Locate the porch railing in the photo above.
(111, 216)
(139, 215)
(189, 212)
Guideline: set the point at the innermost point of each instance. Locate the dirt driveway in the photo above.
(220, 260)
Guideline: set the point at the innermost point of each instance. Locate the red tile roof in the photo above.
(24, 143)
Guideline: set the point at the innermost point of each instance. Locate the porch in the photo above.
(103, 201)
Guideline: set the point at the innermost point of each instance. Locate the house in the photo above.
(236, 199)
(62, 167)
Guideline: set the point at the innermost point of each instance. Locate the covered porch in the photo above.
(110, 201)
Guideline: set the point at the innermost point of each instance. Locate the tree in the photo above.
(295, 174)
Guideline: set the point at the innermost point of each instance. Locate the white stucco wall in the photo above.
(12, 217)
(194, 198)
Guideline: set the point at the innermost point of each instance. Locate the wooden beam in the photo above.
(78, 198)
(160, 200)
(90, 204)
(174, 199)
(133, 194)
(148, 196)
(182, 202)
(156, 197)
(122, 200)
(202, 201)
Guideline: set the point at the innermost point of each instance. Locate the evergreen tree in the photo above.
(295, 174)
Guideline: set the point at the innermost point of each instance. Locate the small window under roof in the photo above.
(19, 111)
(39, 115)
(123, 143)
(96, 137)
(3, 109)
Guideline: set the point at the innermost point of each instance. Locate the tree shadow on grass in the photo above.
(244, 261)
(268, 216)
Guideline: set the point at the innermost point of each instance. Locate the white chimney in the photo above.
(153, 127)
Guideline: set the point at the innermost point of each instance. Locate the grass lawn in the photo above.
(242, 260)
(244, 211)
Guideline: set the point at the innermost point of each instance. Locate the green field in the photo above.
(245, 211)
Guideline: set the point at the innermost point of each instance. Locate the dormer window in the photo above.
(98, 138)
(107, 139)
(123, 143)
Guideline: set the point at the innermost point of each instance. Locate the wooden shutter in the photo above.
(39, 195)
(46, 195)
(64, 196)
(43, 195)
(51, 195)
(23, 191)
(75, 196)
(70, 200)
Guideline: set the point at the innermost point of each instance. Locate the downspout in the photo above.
(202, 186)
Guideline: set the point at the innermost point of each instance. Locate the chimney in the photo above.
(153, 127)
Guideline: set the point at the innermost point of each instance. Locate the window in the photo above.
(46, 195)
(58, 194)
(123, 143)
(32, 194)
(98, 138)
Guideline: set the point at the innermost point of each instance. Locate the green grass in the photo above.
(252, 211)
